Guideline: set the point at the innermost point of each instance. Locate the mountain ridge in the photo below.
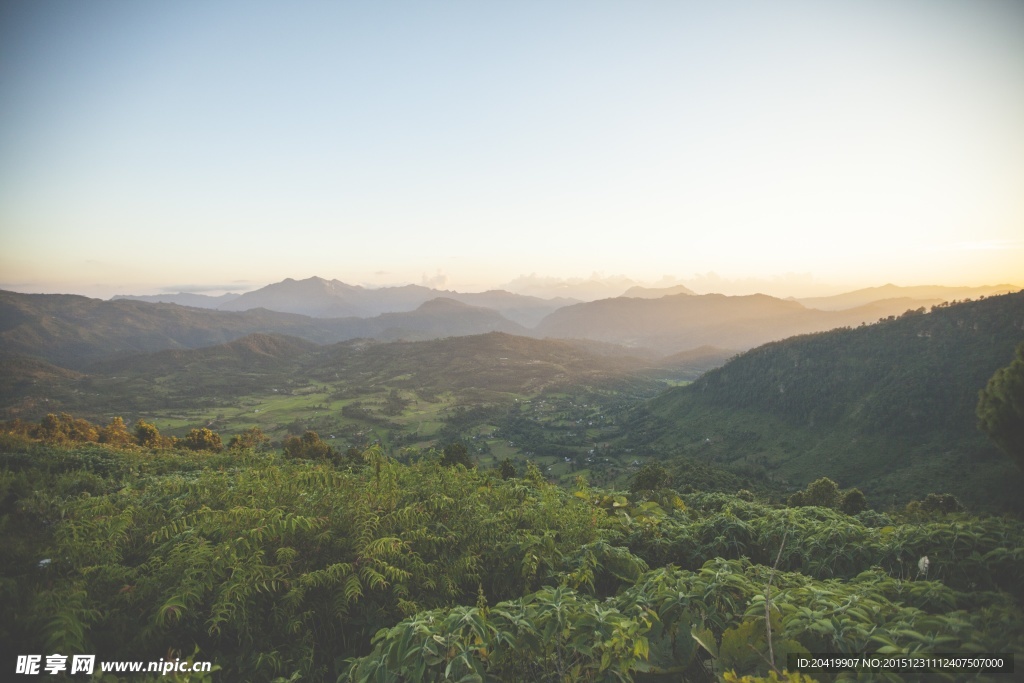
(678, 322)
(75, 331)
(321, 298)
(938, 293)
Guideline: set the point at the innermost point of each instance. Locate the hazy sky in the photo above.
(233, 144)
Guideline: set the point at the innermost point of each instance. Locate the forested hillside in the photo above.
(888, 407)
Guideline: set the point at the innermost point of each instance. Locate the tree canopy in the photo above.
(456, 454)
(309, 446)
(1001, 408)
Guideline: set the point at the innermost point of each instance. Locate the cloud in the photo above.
(438, 281)
(597, 286)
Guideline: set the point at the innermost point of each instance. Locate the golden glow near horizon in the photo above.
(791, 145)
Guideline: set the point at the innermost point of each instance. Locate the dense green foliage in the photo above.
(370, 569)
(1001, 408)
(825, 493)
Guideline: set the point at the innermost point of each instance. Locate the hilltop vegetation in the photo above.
(370, 569)
(888, 407)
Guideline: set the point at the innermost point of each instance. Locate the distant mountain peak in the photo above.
(638, 292)
(443, 303)
(321, 298)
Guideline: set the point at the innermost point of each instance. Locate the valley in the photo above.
(218, 481)
(878, 406)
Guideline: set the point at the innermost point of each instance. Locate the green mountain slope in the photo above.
(888, 407)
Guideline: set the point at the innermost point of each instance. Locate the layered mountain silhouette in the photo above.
(76, 331)
(322, 298)
(675, 323)
(639, 292)
(182, 299)
(924, 293)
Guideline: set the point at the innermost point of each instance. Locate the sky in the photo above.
(795, 146)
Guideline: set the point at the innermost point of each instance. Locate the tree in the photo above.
(115, 433)
(203, 440)
(354, 456)
(147, 435)
(824, 493)
(853, 501)
(309, 445)
(456, 454)
(63, 428)
(1001, 408)
(507, 470)
(252, 438)
(51, 429)
(943, 503)
(650, 477)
